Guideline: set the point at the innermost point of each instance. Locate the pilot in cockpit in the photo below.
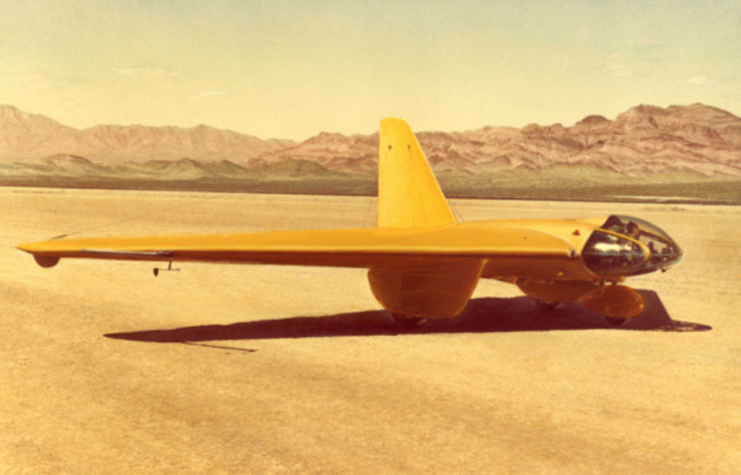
(633, 230)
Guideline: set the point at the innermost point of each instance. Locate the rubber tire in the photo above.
(616, 321)
(407, 321)
(547, 304)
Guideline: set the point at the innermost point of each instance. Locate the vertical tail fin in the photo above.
(408, 193)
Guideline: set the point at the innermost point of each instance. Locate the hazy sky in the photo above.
(291, 69)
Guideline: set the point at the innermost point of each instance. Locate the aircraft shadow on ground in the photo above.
(484, 315)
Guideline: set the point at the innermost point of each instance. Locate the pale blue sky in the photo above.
(294, 68)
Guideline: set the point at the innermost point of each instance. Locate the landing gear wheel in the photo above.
(615, 321)
(547, 304)
(407, 321)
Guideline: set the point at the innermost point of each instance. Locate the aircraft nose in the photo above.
(667, 255)
(651, 249)
(664, 252)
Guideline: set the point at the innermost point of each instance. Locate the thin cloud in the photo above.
(66, 108)
(35, 81)
(625, 69)
(208, 94)
(643, 49)
(622, 70)
(702, 81)
(705, 81)
(636, 59)
(40, 82)
(146, 71)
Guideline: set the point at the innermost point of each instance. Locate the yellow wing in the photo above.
(363, 247)
(420, 272)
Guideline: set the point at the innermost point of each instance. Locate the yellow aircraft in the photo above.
(422, 263)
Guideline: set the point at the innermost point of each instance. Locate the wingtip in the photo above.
(36, 250)
(27, 247)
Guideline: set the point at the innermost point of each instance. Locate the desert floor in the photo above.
(266, 369)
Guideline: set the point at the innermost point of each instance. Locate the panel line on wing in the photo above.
(108, 252)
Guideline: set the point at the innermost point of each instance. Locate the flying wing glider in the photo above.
(422, 262)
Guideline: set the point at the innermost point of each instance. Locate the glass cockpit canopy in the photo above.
(612, 254)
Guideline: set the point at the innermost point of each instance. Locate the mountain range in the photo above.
(676, 143)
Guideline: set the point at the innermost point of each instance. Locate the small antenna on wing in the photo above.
(132, 218)
(156, 270)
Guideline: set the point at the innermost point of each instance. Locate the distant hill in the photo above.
(642, 141)
(27, 137)
(646, 145)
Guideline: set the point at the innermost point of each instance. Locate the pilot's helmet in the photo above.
(633, 229)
